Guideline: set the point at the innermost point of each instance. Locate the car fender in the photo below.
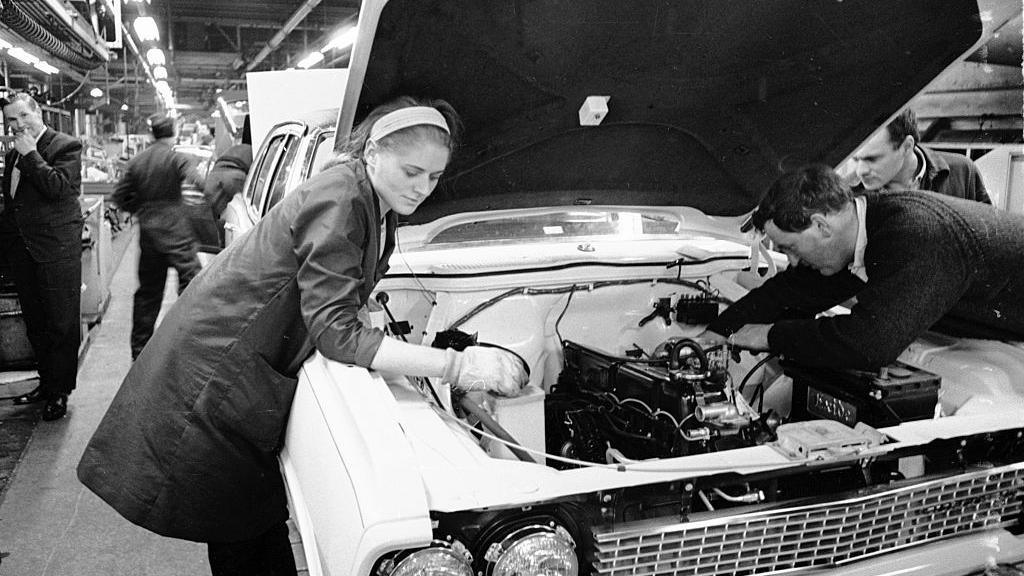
(346, 457)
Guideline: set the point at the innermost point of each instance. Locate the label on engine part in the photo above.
(828, 406)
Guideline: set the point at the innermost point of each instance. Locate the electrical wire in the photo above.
(382, 299)
(750, 372)
(427, 294)
(583, 463)
(640, 402)
(560, 316)
(527, 291)
(85, 79)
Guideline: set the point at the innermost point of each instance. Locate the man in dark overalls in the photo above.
(151, 190)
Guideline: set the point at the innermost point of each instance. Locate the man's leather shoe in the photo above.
(30, 397)
(56, 407)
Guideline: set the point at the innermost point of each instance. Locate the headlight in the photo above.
(535, 550)
(440, 559)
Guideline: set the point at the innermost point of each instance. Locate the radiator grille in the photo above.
(820, 534)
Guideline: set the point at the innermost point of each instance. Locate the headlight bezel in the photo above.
(451, 551)
(500, 552)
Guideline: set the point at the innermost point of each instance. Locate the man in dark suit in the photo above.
(41, 241)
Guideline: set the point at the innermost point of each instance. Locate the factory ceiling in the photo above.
(209, 46)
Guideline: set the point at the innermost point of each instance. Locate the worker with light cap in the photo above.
(151, 190)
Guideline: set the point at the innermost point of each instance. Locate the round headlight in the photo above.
(440, 559)
(534, 550)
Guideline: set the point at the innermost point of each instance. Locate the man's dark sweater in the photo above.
(932, 261)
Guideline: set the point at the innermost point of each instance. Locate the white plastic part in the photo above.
(523, 418)
(593, 110)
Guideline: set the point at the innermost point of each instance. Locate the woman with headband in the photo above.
(188, 448)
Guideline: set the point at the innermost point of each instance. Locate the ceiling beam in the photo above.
(283, 33)
(246, 23)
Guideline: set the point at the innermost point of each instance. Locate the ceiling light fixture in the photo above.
(23, 56)
(155, 57)
(146, 30)
(5, 44)
(96, 93)
(310, 60)
(159, 72)
(46, 67)
(124, 107)
(341, 40)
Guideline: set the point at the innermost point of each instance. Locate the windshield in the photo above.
(600, 224)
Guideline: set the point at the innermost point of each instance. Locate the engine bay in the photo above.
(620, 379)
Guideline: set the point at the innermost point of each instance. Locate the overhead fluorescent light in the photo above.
(159, 72)
(163, 88)
(146, 30)
(23, 56)
(155, 57)
(342, 40)
(4, 44)
(46, 67)
(311, 60)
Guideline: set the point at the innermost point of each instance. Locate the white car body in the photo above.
(392, 460)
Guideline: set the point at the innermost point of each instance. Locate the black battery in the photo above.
(895, 394)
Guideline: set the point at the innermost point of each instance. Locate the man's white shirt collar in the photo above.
(857, 266)
(922, 167)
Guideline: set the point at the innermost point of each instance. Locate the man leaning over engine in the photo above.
(914, 261)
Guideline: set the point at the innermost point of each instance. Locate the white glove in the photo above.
(483, 368)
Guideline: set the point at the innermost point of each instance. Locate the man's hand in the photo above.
(24, 143)
(753, 337)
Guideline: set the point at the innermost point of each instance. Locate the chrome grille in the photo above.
(819, 534)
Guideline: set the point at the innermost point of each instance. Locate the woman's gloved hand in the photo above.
(483, 368)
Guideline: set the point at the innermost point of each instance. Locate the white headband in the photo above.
(406, 117)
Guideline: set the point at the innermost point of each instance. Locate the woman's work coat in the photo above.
(189, 446)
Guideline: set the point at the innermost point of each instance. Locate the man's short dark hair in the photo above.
(796, 195)
(902, 126)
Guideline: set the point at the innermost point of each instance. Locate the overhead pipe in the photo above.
(80, 27)
(293, 22)
(29, 29)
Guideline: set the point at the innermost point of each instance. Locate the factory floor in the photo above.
(51, 525)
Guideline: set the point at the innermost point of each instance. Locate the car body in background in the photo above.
(289, 155)
(590, 223)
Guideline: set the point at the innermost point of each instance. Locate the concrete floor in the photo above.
(49, 523)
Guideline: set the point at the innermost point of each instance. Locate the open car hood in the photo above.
(708, 100)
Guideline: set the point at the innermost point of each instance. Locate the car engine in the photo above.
(678, 402)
